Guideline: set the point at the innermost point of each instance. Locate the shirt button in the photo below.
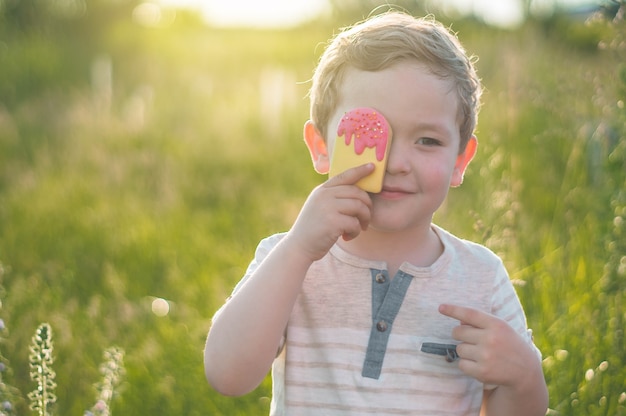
(381, 326)
(380, 278)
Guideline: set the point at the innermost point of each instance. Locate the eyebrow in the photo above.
(434, 127)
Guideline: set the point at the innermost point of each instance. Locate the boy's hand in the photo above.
(337, 208)
(491, 351)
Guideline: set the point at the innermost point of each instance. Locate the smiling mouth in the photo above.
(393, 193)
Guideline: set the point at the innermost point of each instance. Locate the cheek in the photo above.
(436, 173)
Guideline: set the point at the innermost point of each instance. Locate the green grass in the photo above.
(164, 187)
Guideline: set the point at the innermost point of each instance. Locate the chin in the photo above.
(394, 222)
(389, 225)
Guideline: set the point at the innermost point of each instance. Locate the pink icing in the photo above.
(369, 129)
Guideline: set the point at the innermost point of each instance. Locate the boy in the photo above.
(364, 306)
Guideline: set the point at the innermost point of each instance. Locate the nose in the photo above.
(398, 159)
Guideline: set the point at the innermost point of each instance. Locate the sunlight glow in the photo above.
(505, 13)
(254, 13)
(290, 13)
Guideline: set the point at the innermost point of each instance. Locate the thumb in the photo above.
(351, 176)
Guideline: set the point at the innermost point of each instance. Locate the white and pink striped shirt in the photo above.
(361, 343)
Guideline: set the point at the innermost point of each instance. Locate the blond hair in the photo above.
(384, 40)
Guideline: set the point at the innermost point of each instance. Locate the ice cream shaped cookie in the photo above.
(363, 136)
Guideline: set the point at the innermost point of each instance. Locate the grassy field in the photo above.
(149, 164)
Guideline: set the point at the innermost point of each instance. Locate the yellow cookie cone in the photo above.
(368, 141)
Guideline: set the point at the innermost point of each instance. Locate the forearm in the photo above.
(527, 399)
(246, 333)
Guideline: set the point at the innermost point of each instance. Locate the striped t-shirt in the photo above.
(362, 343)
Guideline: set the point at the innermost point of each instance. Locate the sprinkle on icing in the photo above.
(369, 129)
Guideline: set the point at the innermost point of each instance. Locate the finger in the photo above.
(472, 362)
(360, 208)
(467, 351)
(353, 231)
(347, 214)
(467, 334)
(351, 176)
(468, 316)
(354, 220)
(471, 368)
(354, 194)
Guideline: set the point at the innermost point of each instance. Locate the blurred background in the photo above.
(146, 147)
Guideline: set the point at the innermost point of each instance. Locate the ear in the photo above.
(317, 147)
(462, 160)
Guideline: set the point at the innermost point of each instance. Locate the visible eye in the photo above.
(428, 141)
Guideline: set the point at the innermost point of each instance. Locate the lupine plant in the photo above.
(40, 363)
(9, 395)
(112, 370)
(41, 372)
(41, 360)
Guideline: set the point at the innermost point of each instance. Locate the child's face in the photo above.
(424, 159)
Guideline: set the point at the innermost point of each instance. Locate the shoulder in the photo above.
(267, 244)
(466, 250)
(263, 249)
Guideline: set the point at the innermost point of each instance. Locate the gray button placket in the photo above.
(387, 297)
